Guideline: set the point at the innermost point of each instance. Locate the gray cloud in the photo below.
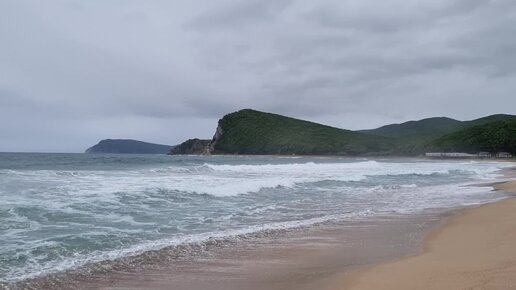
(239, 14)
(73, 72)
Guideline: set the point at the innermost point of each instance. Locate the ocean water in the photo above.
(63, 211)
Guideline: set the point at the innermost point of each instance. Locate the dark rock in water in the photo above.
(192, 146)
(128, 146)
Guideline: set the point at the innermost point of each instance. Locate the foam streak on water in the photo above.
(62, 211)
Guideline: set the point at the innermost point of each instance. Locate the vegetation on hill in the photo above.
(253, 132)
(128, 146)
(426, 128)
(494, 136)
(418, 137)
(488, 119)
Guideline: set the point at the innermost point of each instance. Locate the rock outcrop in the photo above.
(191, 146)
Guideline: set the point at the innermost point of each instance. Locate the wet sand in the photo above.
(474, 244)
(473, 250)
(306, 258)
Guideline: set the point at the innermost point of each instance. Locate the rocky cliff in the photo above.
(192, 146)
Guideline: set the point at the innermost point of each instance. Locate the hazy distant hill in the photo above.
(425, 128)
(253, 132)
(128, 146)
(413, 136)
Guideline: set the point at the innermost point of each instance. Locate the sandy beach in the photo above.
(302, 259)
(434, 248)
(473, 250)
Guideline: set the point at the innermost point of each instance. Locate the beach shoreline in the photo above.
(300, 259)
(473, 249)
(311, 257)
(303, 258)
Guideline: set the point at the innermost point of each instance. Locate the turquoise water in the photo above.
(62, 211)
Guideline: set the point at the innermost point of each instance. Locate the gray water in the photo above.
(63, 211)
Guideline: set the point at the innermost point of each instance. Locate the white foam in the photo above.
(35, 269)
(231, 180)
(80, 193)
(408, 201)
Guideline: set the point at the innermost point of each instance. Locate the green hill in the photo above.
(425, 128)
(488, 119)
(493, 136)
(412, 137)
(253, 132)
(418, 137)
(431, 128)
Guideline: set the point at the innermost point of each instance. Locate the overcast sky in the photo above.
(73, 72)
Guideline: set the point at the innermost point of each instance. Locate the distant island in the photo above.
(253, 132)
(129, 147)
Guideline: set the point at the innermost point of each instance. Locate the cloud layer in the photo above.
(73, 72)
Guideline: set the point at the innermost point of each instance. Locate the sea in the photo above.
(60, 212)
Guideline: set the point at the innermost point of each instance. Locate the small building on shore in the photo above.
(484, 155)
(467, 155)
(450, 155)
(504, 155)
